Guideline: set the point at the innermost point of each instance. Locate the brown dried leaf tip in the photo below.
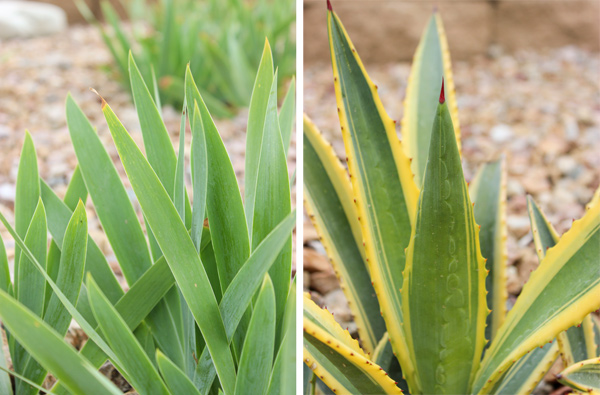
(101, 98)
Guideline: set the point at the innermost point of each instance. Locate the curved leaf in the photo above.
(582, 376)
(527, 372)
(177, 381)
(328, 201)
(340, 367)
(51, 351)
(382, 182)
(558, 295)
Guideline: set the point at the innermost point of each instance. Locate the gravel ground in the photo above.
(36, 75)
(540, 108)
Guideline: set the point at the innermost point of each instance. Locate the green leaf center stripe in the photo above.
(373, 171)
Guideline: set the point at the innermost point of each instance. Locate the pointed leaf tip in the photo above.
(329, 5)
(442, 96)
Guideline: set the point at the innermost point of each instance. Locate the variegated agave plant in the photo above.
(410, 254)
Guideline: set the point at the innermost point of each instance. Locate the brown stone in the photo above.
(315, 262)
(324, 282)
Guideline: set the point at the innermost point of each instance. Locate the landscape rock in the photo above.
(30, 19)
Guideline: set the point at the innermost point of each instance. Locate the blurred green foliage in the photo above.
(221, 39)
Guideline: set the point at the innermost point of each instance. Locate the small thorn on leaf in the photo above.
(442, 96)
(329, 5)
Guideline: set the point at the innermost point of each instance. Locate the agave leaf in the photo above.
(328, 201)
(112, 204)
(175, 378)
(544, 235)
(273, 201)
(527, 372)
(177, 247)
(384, 357)
(287, 115)
(5, 283)
(256, 124)
(238, 296)
(58, 214)
(70, 276)
(443, 296)
(583, 376)
(48, 347)
(324, 319)
(596, 334)
(576, 343)
(430, 63)
(383, 185)
(31, 283)
(488, 193)
(26, 196)
(340, 367)
(138, 368)
(257, 354)
(558, 295)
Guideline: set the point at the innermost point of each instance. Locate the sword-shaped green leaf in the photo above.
(431, 62)
(340, 366)
(527, 372)
(26, 196)
(112, 204)
(254, 132)
(30, 291)
(273, 201)
(383, 186)
(328, 200)
(558, 295)
(257, 354)
(238, 296)
(138, 368)
(287, 115)
(69, 279)
(583, 376)
(51, 351)
(488, 193)
(177, 246)
(175, 378)
(58, 214)
(443, 296)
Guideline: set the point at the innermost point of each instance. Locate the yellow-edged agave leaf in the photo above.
(443, 296)
(559, 294)
(340, 367)
(583, 376)
(488, 193)
(384, 357)
(527, 372)
(430, 63)
(596, 322)
(576, 343)
(328, 200)
(544, 235)
(324, 320)
(383, 185)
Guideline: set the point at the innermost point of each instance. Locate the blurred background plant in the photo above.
(221, 39)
